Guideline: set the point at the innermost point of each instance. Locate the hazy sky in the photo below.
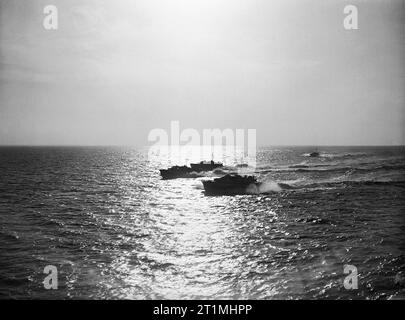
(114, 70)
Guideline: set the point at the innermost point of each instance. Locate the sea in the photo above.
(326, 227)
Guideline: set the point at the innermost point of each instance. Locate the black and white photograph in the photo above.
(202, 150)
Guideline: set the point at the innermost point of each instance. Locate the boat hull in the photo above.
(168, 174)
(188, 172)
(212, 188)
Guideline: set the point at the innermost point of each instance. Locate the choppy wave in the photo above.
(354, 183)
(273, 186)
(332, 168)
(264, 187)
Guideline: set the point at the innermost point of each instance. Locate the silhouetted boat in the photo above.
(176, 172)
(187, 172)
(242, 165)
(229, 185)
(314, 154)
(205, 166)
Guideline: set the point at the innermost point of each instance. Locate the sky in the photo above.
(115, 70)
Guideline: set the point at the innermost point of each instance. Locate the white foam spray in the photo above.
(264, 187)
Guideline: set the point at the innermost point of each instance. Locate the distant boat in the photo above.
(242, 165)
(229, 185)
(186, 172)
(205, 166)
(314, 154)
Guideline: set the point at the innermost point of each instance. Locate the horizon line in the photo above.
(147, 146)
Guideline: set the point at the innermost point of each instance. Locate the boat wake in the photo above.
(270, 186)
(336, 155)
(265, 187)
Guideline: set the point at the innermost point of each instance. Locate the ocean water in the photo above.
(115, 230)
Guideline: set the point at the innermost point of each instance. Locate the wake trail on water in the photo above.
(268, 186)
(271, 186)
